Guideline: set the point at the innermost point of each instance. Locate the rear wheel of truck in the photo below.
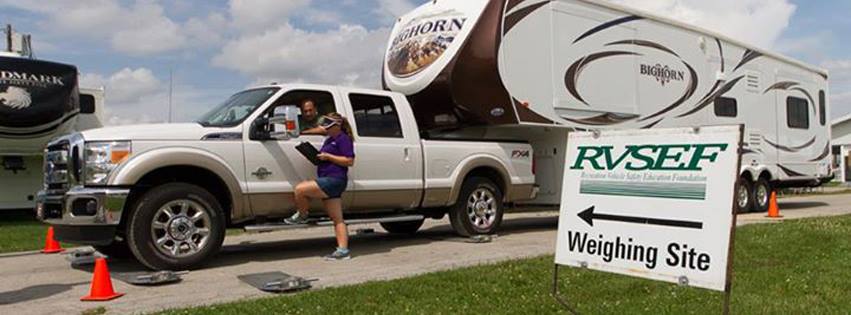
(176, 226)
(478, 209)
(404, 227)
(761, 195)
(744, 195)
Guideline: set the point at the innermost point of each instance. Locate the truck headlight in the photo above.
(102, 157)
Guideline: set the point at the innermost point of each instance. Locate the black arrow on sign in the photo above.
(589, 216)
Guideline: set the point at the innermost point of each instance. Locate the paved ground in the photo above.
(45, 284)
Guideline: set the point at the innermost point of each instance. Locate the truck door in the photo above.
(274, 167)
(797, 141)
(388, 164)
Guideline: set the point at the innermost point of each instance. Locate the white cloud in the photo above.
(349, 55)
(392, 9)
(757, 22)
(125, 86)
(259, 15)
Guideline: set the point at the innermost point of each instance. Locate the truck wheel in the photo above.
(118, 249)
(176, 226)
(744, 195)
(404, 227)
(761, 195)
(478, 209)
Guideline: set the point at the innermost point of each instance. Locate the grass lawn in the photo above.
(795, 267)
(20, 231)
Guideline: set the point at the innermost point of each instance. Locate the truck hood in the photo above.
(153, 132)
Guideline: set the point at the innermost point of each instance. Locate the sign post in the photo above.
(656, 204)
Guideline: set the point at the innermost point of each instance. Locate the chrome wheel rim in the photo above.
(481, 208)
(762, 195)
(181, 228)
(742, 196)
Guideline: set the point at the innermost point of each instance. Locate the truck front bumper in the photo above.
(88, 216)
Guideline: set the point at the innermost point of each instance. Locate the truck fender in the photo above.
(131, 171)
(473, 162)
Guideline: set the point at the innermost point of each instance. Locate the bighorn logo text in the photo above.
(663, 74)
(422, 41)
(668, 157)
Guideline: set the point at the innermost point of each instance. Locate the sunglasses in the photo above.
(327, 122)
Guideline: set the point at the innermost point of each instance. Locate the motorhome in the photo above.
(479, 99)
(535, 70)
(39, 100)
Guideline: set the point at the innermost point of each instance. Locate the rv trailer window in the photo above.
(822, 108)
(726, 107)
(375, 116)
(797, 115)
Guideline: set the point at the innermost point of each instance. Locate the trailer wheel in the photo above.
(404, 227)
(761, 195)
(176, 226)
(479, 208)
(744, 195)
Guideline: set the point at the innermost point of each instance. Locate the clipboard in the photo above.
(309, 152)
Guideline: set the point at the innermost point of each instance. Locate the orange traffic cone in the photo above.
(51, 246)
(101, 284)
(773, 209)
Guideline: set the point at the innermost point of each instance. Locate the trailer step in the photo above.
(269, 227)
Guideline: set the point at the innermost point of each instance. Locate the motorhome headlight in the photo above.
(102, 157)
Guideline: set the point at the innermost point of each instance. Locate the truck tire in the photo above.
(478, 209)
(761, 195)
(744, 195)
(176, 226)
(404, 227)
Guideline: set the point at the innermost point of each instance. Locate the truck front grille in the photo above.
(61, 166)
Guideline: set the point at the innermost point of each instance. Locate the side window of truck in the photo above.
(797, 115)
(375, 116)
(322, 103)
(726, 107)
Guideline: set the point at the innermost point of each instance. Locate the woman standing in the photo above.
(337, 155)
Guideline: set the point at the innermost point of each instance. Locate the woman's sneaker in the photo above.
(296, 219)
(340, 254)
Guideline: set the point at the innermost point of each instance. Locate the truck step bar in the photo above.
(269, 227)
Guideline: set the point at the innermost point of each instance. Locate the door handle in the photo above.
(407, 155)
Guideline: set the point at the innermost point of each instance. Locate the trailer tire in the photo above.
(761, 195)
(404, 227)
(744, 195)
(176, 226)
(478, 209)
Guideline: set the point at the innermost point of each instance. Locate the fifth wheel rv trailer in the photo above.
(39, 100)
(535, 70)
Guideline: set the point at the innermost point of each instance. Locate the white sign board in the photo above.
(652, 203)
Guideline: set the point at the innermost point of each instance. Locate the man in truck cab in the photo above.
(309, 119)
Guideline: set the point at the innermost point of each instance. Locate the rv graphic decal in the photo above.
(607, 25)
(793, 86)
(662, 74)
(16, 98)
(789, 172)
(823, 155)
(575, 70)
(749, 56)
(603, 120)
(515, 17)
(791, 149)
(711, 98)
(422, 42)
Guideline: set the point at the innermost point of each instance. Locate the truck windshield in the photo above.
(236, 108)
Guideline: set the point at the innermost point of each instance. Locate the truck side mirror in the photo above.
(284, 124)
(87, 104)
(259, 130)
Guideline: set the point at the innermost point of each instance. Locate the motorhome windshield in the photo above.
(236, 108)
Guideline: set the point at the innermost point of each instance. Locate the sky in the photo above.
(204, 51)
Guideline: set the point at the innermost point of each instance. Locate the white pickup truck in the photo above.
(168, 192)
